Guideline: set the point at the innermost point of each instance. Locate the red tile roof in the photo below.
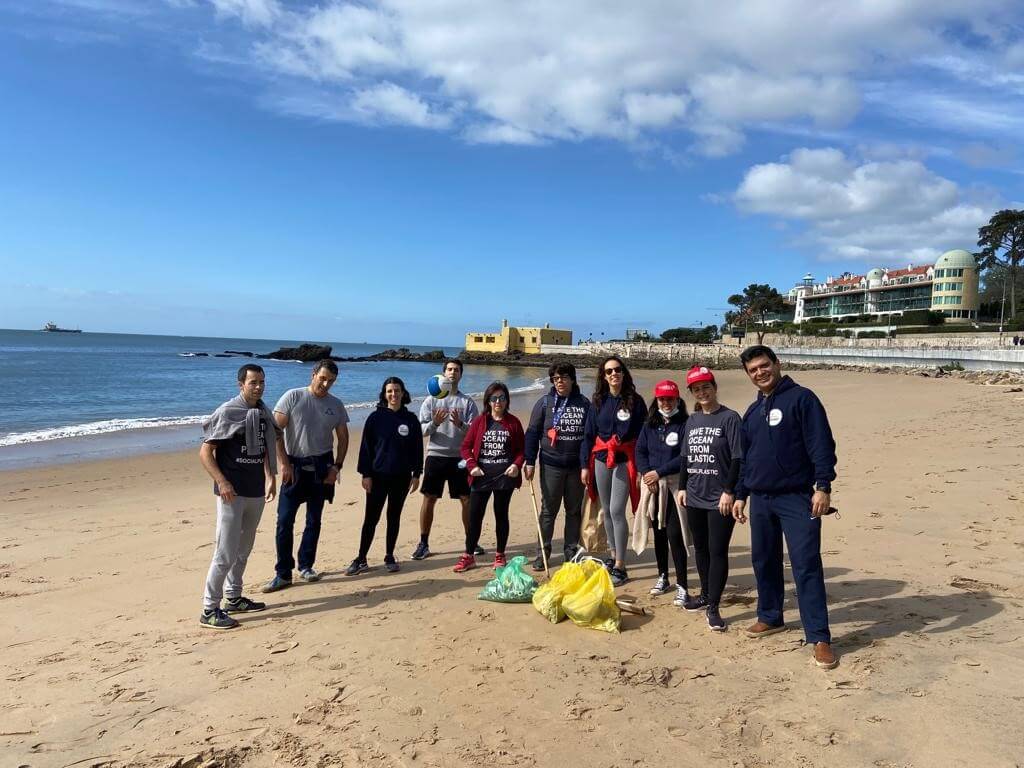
(904, 272)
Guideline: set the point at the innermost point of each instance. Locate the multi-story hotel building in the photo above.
(949, 286)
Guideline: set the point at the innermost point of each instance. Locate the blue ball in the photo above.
(438, 386)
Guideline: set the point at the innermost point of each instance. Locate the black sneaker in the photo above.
(619, 576)
(661, 586)
(538, 564)
(609, 563)
(479, 551)
(570, 553)
(694, 603)
(216, 619)
(242, 604)
(715, 622)
(390, 563)
(358, 566)
(422, 551)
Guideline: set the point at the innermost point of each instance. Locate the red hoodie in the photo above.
(475, 436)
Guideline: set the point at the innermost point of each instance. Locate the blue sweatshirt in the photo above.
(611, 419)
(659, 448)
(392, 444)
(566, 414)
(788, 444)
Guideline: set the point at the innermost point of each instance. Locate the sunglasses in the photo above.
(610, 371)
(498, 398)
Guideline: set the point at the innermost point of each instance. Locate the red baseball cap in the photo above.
(666, 388)
(699, 373)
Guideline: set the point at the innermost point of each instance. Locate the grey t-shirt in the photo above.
(446, 439)
(712, 442)
(311, 421)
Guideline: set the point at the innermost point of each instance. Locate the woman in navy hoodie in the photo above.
(390, 461)
(658, 459)
(607, 454)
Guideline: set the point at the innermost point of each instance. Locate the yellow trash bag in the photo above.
(593, 604)
(548, 596)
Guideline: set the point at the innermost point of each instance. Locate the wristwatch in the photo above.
(824, 487)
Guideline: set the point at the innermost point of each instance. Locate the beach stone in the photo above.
(307, 353)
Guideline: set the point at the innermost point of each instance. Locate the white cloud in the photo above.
(391, 103)
(536, 71)
(880, 211)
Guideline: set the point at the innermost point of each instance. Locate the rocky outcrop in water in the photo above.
(306, 353)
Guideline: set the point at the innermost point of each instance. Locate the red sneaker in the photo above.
(499, 560)
(465, 563)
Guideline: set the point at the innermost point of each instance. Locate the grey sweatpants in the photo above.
(236, 532)
(559, 485)
(613, 488)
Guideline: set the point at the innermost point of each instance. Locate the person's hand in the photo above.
(651, 479)
(681, 499)
(271, 488)
(368, 484)
(456, 418)
(287, 474)
(725, 504)
(528, 473)
(737, 512)
(332, 476)
(820, 502)
(227, 492)
(585, 476)
(414, 483)
(513, 470)
(476, 472)
(440, 415)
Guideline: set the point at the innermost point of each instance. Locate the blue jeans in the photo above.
(304, 490)
(789, 515)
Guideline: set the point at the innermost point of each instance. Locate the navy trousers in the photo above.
(789, 515)
(304, 490)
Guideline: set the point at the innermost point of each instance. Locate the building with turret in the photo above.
(949, 286)
(513, 338)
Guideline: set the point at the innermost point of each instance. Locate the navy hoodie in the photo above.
(659, 447)
(572, 412)
(392, 443)
(605, 421)
(788, 444)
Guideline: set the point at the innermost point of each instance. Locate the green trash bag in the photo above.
(511, 584)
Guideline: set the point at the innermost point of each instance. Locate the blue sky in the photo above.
(406, 170)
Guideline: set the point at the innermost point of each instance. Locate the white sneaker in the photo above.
(661, 586)
(680, 599)
(308, 574)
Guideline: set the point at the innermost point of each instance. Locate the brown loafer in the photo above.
(760, 629)
(824, 657)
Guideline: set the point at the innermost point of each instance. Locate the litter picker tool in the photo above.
(540, 533)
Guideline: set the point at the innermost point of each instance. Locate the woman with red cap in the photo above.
(658, 460)
(707, 484)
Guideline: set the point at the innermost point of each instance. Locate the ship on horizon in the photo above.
(53, 328)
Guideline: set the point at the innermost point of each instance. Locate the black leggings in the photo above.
(670, 536)
(711, 533)
(477, 510)
(390, 488)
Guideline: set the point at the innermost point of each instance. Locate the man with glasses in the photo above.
(312, 419)
(788, 468)
(555, 433)
(445, 421)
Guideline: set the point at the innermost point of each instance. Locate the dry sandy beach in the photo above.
(104, 663)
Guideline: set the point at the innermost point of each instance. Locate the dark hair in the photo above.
(326, 364)
(758, 350)
(455, 360)
(383, 401)
(243, 372)
(564, 368)
(493, 387)
(601, 390)
(654, 417)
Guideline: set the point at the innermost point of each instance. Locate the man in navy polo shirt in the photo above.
(788, 469)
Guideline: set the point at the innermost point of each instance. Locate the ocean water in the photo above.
(71, 396)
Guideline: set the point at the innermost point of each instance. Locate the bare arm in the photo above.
(282, 453)
(208, 458)
(342, 434)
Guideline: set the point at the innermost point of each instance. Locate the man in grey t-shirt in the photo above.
(445, 421)
(312, 419)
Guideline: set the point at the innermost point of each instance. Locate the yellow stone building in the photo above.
(513, 338)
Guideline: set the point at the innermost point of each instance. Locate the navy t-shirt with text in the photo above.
(242, 469)
(712, 442)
